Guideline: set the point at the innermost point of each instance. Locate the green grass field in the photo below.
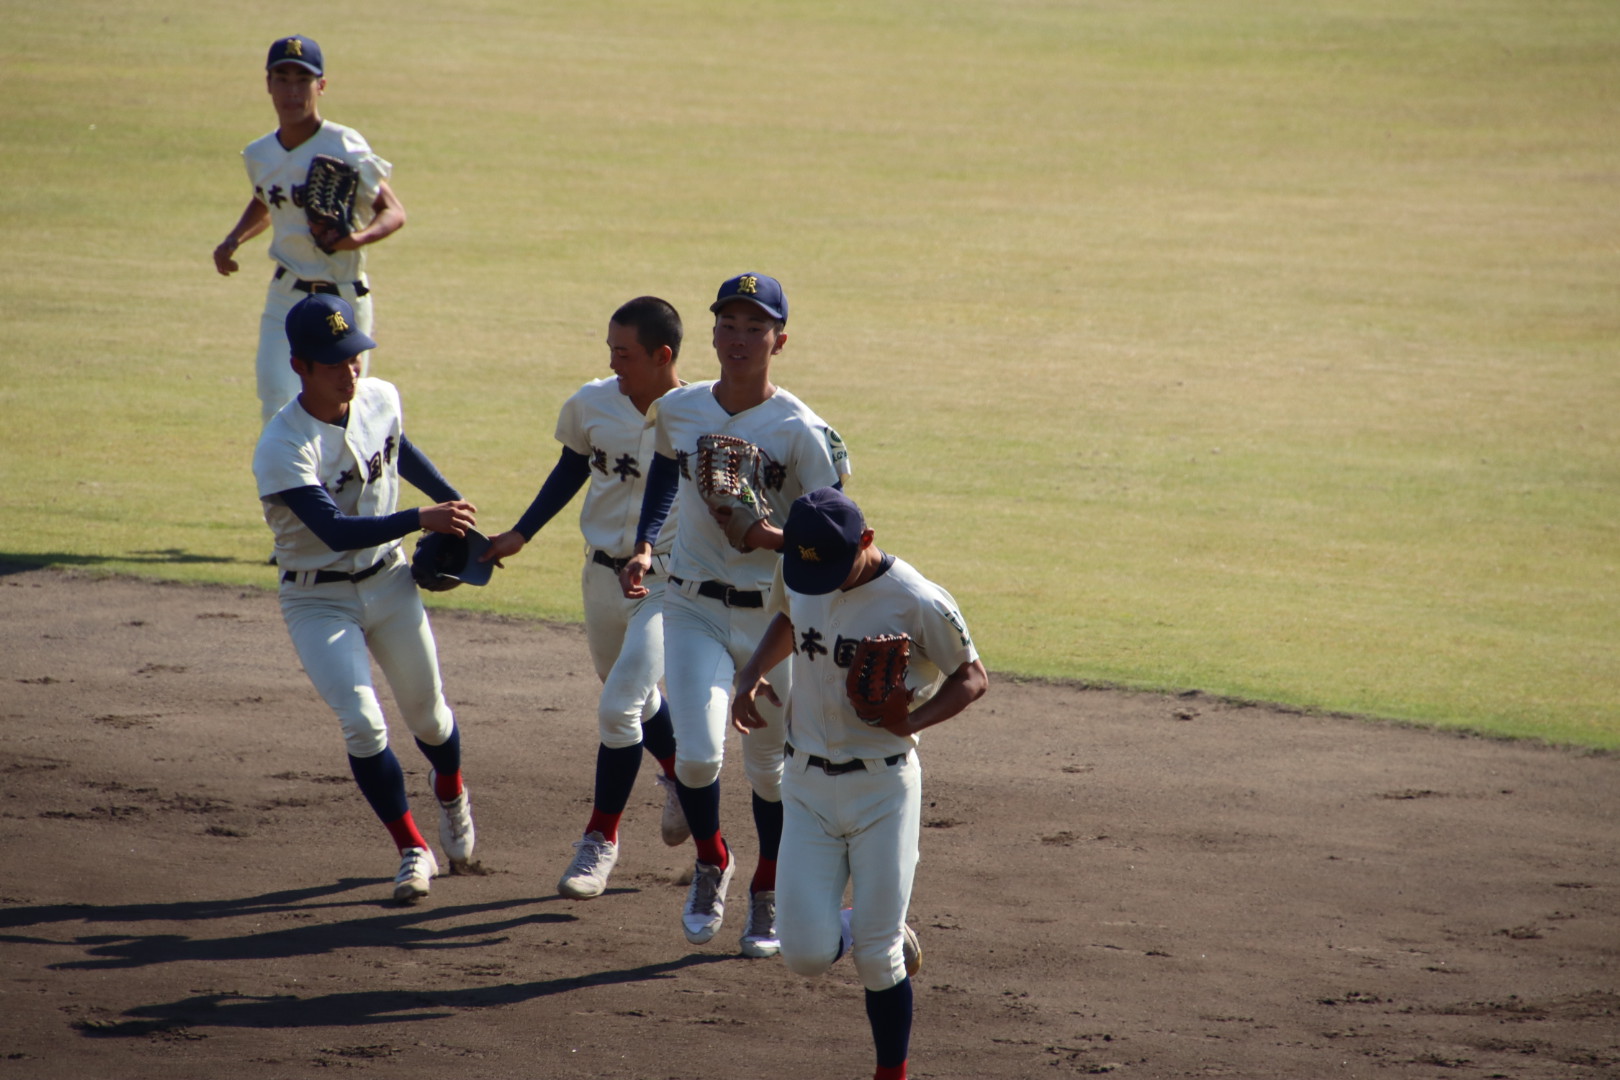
(1263, 350)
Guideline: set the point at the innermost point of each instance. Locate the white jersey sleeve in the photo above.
(278, 176)
(602, 425)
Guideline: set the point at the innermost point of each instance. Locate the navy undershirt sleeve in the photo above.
(316, 509)
(570, 474)
(663, 478)
(415, 467)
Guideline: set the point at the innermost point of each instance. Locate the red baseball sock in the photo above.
(668, 765)
(447, 785)
(713, 851)
(764, 877)
(890, 1072)
(606, 824)
(403, 830)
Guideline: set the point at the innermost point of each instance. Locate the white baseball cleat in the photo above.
(673, 823)
(456, 833)
(587, 873)
(759, 935)
(706, 901)
(417, 867)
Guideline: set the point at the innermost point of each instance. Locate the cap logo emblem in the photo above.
(748, 285)
(294, 47)
(808, 554)
(337, 324)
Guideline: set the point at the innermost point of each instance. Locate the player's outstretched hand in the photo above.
(454, 517)
(744, 712)
(630, 577)
(502, 546)
(223, 261)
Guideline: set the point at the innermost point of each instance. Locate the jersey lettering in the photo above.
(298, 191)
(775, 475)
(599, 460)
(681, 457)
(844, 650)
(275, 196)
(342, 481)
(374, 467)
(388, 449)
(625, 468)
(810, 644)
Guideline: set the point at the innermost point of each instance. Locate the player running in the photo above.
(606, 431)
(714, 606)
(277, 165)
(852, 793)
(328, 466)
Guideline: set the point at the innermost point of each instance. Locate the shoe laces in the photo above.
(413, 865)
(588, 853)
(706, 890)
(762, 915)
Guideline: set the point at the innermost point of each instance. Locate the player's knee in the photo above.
(364, 742)
(806, 962)
(617, 727)
(696, 774)
(877, 969)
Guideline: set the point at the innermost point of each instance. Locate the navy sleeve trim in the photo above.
(340, 532)
(663, 478)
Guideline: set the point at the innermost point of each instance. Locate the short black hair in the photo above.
(655, 321)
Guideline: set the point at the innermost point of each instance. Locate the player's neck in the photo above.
(293, 134)
(328, 412)
(644, 401)
(737, 394)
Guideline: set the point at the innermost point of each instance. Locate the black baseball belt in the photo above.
(718, 590)
(602, 558)
(321, 286)
(839, 768)
(328, 577)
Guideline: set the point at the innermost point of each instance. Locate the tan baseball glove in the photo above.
(729, 474)
(876, 683)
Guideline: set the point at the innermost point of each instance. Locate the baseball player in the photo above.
(852, 792)
(306, 263)
(606, 431)
(714, 592)
(328, 467)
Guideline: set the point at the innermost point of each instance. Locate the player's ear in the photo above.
(663, 355)
(300, 368)
(866, 538)
(781, 340)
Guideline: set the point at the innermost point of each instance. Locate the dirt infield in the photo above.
(1144, 885)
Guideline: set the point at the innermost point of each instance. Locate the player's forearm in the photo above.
(388, 217)
(572, 472)
(775, 645)
(342, 532)
(663, 479)
(965, 685)
(254, 220)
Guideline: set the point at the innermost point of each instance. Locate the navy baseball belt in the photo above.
(602, 558)
(328, 577)
(839, 768)
(724, 593)
(321, 286)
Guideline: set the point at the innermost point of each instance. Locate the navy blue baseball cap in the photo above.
(820, 541)
(763, 291)
(321, 329)
(299, 50)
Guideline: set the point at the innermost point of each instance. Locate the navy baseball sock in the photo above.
(446, 761)
(658, 734)
(615, 775)
(768, 823)
(382, 782)
(702, 808)
(889, 1012)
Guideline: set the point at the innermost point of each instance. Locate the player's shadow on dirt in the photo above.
(17, 563)
(432, 927)
(365, 1007)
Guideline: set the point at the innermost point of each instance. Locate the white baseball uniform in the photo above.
(278, 175)
(334, 624)
(707, 638)
(861, 825)
(626, 637)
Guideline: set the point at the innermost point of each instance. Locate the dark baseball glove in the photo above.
(729, 473)
(329, 192)
(876, 683)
